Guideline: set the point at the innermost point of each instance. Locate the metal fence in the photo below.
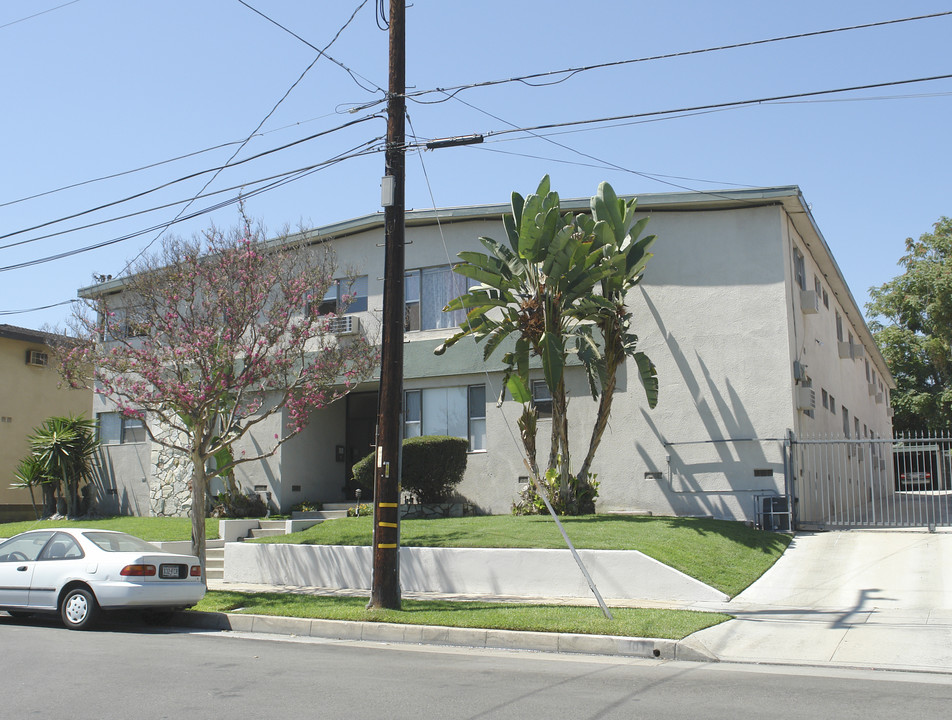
(872, 483)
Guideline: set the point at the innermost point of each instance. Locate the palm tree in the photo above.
(28, 475)
(64, 447)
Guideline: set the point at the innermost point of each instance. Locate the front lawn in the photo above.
(151, 529)
(726, 555)
(628, 622)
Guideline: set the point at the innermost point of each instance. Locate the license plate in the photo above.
(169, 571)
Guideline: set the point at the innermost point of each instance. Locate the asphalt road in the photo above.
(129, 671)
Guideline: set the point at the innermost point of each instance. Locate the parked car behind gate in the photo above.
(78, 572)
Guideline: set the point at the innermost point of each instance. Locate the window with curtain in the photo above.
(455, 411)
(427, 291)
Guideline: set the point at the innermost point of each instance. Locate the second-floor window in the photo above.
(351, 292)
(114, 429)
(799, 269)
(427, 291)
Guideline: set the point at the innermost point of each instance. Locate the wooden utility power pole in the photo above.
(385, 586)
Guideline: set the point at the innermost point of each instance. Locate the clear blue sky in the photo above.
(98, 87)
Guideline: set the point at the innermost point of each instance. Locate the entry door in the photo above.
(361, 429)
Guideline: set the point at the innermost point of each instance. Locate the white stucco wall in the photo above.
(618, 574)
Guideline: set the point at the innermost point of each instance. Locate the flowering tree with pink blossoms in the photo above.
(210, 337)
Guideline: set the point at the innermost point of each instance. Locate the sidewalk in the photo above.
(851, 599)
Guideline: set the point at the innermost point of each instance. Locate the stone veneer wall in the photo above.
(170, 487)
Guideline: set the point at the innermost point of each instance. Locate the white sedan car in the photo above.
(78, 572)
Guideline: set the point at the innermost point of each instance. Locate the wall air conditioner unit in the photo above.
(859, 352)
(879, 398)
(37, 358)
(846, 350)
(809, 302)
(806, 399)
(346, 325)
(872, 389)
(890, 412)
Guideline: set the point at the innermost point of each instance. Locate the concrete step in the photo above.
(272, 524)
(267, 532)
(325, 514)
(214, 573)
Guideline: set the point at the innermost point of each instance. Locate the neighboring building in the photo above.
(742, 309)
(30, 392)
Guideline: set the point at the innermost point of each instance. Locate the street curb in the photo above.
(610, 645)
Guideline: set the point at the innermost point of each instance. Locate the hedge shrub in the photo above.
(432, 467)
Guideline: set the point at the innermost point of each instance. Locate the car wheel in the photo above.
(78, 609)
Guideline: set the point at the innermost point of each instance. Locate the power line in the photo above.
(569, 72)
(42, 12)
(713, 106)
(271, 112)
(174, 203)
(282, 180)
(190, 176)
(159, 163)
(36, 309)
(353, 74)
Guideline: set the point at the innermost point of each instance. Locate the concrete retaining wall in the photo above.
(618, 574)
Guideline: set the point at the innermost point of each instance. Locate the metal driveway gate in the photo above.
(871, 483)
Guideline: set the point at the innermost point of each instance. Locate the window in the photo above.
(351, 292)
(846, 422)
(799, 269)
(839, 327)
(477, 417)
(867, 371)
(61, 547)
(454, 411)
(124, 322)
(825, 397)
(542, 398)
(832, 404)
(427, 291)
(856, 427)
(114, 429)
(826, 300)
(818, 286)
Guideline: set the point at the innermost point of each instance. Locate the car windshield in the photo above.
(119, 542)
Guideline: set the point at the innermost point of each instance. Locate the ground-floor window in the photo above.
(455, 411)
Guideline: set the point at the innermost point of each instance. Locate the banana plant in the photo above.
(627, 252)
(560, 277)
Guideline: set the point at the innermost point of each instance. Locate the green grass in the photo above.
(148, 528)
(726, 555)
(628, 622)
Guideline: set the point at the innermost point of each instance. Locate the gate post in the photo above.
(789, 478)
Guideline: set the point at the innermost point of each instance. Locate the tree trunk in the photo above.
(199, 491)
(601, 423)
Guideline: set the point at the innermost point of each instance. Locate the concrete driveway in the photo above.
(855, 598)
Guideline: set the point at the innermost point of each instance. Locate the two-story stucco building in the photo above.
(30, 392)
(743, 310)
